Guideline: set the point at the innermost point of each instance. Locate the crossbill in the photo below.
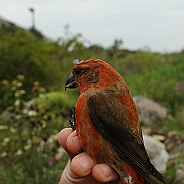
(107, 122)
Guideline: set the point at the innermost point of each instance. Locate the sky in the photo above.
(157, 25)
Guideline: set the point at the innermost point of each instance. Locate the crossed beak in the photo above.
(71, 83)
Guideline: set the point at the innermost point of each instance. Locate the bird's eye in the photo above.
(78, 71)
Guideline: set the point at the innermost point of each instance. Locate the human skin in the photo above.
(82, 169)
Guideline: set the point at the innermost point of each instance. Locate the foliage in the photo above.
(22, 53)
(149, 74)
(114, 50)
(36, 33)
(29, 149)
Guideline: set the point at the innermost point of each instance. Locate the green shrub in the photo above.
(30, 152)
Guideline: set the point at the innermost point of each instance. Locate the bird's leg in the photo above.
(72, 122)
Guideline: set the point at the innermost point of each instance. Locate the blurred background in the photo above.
(143, 40)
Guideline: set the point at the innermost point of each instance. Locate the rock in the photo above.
(158, 137)
(174, 143)
(179, 88)
(148, 110)
(179, 179)
(157, 153)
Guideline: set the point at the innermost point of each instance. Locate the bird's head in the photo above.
(86, 73)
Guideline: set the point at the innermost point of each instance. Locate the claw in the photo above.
(72, 123)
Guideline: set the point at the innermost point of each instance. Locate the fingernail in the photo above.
(73, 142)
(76, 143)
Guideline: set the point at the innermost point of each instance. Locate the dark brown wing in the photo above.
(107, 118)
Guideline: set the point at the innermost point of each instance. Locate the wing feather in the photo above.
(108, 116)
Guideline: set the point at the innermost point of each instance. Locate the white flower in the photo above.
(19, 84)
(32, 113)
(25, 111)
(3, 127)
(19, 152)
(22, 92)
(4, 154)
(13, 130)
(18, 116)
(28, 146)
(17, 102)
(5, 141)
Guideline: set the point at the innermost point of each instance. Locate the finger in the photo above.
(73, 143)
(82, 164)
(104, 173)
(62, 139)
(69, 140)
(63, 135)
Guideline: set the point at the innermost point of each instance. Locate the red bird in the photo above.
(107, 122)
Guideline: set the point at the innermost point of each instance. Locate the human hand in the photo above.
(81, 168)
